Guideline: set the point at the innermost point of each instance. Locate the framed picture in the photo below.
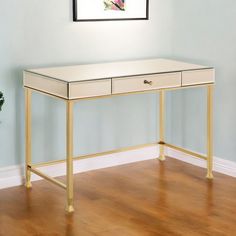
(105, 10)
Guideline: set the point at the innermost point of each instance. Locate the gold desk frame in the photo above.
(69, 140)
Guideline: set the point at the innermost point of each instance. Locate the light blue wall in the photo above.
(41, 33)
(204, 31)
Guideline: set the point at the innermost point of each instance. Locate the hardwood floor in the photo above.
(143, 199)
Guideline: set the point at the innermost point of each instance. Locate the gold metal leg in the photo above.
(209, 131)
(69, 158)
(28, 94)
(162, 125)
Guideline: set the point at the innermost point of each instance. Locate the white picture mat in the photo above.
(95, 9)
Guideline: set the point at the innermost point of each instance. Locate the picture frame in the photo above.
(110, 10)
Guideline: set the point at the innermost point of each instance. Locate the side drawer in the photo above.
(89, 89)
(44, 84)
(198, 77)
(144, 83)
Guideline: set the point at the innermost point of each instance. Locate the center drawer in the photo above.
(147, 82)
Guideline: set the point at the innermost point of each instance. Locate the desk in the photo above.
(72, 83)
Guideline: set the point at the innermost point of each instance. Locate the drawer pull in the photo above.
(147, 82)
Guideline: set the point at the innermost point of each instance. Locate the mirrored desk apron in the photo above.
(72, 83)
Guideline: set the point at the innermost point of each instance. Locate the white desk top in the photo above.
(79, 73)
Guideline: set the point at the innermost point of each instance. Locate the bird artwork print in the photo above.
(117, 5)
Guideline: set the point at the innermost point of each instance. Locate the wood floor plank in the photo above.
(149, 198)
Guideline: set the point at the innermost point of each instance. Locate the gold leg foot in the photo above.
(28, 185)
(162, 157)
(209, 176)
(70, 208)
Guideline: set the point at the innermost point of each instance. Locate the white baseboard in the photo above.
(14, 175)
(220, 165)
(11, 176)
